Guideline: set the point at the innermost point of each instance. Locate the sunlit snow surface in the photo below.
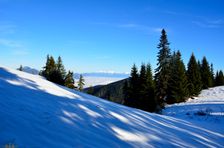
(37, 113)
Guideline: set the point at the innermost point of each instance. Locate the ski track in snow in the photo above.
(37, 113)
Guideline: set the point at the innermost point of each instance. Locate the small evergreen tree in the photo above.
(150, 90)
(133, 92)
(20, 68)
(69, 80)
(162, 72)
(206, 75)
(219, 78)
(81, 83)
(194, 76)
(178, 84)
(212, 75)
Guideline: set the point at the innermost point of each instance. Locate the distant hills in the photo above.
(112, 92)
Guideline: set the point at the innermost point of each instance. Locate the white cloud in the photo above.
(10, 43)
(205, 23)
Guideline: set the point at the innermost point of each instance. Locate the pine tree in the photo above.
(69, 80)
(60, 67)
(206, 75)
(219, 78)
(212, 75)
(194, 76)
(150, 89)
(178, 84)
(142, 94)
(162, 72)
(133, 92)
(81, 83)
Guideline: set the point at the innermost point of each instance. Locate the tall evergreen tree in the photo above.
(162, 72)
(81, 83)
(178, 84)
(206, 75)
(150, 89)
(133, 92)
(194, 76)
(219, 78)
(60, 67)
(212, 75)
(142, 94)
(69, 80)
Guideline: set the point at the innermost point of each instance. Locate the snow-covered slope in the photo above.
(208, 106)
(37, 113)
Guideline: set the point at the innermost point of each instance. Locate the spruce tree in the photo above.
(206, 75)
(60, 67)
(162, 72)
(81, 83)
(219, 78)
(178, 84)
(143, 100)
(150, 89)
(133, 92)
(194, 76)
(212, 75)
(69, 80)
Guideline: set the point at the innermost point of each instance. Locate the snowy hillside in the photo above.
(208, 106)
(37, 113)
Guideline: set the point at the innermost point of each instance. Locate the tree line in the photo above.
(55, 72)
(172, 82)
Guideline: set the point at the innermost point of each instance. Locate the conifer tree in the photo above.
(150, 89)
(60, 67)
(69, 80)
(206, 75)
(178, 84)
(219, 78)
(212, 75)
(81, 83)
(162, 72)
(194, 76)
(133, 92)
(142, 94)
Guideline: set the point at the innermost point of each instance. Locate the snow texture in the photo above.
(37, 113)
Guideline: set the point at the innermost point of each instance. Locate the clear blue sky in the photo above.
(108, 35)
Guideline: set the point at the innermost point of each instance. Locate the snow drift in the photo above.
(37, 113)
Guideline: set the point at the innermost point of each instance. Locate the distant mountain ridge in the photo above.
(30, 70)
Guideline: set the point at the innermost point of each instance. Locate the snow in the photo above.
(37, 113)
(209, 106)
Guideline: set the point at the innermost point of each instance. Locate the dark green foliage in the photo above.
(90, 90)
(116, 91)
(194, 77)
(132, 100)
(150, 90)
(212, 75)
(219, 78)
(162, 72)
(54, 71)
(60, 68)
(178, 84)
(81, 83)
(69, 80)
(206, 75)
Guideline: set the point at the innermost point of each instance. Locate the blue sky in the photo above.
(100, 35)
